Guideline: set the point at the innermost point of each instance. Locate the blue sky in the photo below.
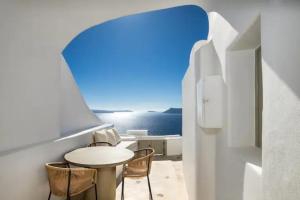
(136, 62)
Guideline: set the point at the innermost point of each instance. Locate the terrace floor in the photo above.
(166, 180)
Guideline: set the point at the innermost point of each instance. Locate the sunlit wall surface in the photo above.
(136, 64)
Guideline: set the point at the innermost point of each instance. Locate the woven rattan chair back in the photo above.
(139, 166)
(66, 182)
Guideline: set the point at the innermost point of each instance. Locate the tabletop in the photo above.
(99, 156)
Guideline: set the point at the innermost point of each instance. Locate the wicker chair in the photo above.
(67, 182)
(138, 167)
(94, 144)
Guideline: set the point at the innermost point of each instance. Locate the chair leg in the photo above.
(149, 185)
(49, 197)
(122, 193)
(96, 193)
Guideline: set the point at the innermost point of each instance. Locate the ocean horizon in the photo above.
(157, 123)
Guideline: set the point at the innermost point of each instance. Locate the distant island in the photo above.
(174, 111)
(169, 111)
(110, 111)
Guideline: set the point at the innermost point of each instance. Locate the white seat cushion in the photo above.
(131, 145)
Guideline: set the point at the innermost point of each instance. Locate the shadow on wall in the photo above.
(281, 43)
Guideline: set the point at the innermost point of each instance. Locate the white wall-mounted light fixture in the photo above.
(210, 102)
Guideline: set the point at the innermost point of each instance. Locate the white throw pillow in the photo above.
(100, 136)
(111, 137)
(117, 136)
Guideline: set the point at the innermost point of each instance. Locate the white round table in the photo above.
(104, 159)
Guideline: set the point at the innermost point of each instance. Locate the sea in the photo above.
(156, 123)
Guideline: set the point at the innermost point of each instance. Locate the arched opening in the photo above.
(129, 70)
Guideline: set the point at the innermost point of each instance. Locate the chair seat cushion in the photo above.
(131, 145)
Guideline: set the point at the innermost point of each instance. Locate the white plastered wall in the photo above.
(74, 113)
(189, 152)
(219, 167)
(205, 139)
(281, 119)
(204, 61)
(281, 92)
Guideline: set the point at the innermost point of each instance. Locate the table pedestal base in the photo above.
(106, 183)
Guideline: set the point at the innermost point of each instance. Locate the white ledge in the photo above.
(126, 137)
(71, 135)
(85, 131)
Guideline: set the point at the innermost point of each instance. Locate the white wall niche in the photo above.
(241, 79)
